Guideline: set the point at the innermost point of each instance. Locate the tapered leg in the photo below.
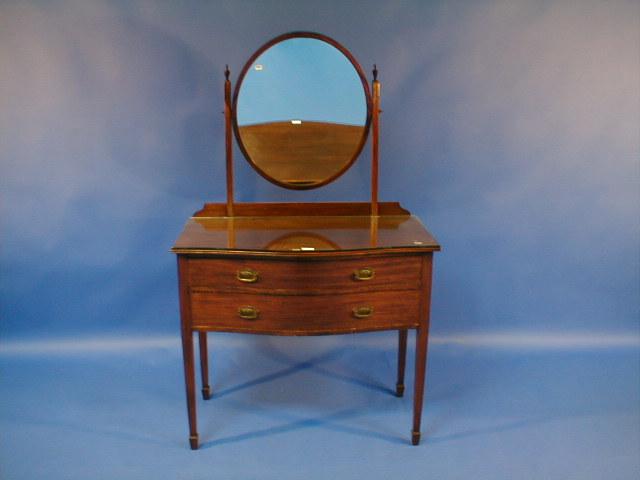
(204, 365)
(402, 357)
(187, 349)
(418, 394)
(422, 337)
(190, 382)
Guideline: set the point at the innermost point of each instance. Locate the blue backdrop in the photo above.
(511, 128)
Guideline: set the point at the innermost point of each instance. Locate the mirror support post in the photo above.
(374, 142)
(228, 140)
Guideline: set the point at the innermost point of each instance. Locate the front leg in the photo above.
(422, 337)
(402, 357)
(421, 364)
(190, 383)
(187, 348)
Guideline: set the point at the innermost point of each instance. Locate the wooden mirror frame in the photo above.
(365, 86)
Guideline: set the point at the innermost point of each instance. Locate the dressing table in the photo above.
(301, 113)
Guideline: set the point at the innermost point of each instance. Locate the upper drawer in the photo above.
(305, 277)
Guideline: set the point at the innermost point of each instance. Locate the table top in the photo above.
(308, 235)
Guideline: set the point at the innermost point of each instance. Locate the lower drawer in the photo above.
(304, 314)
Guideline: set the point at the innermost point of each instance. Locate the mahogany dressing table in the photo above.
(303, 268)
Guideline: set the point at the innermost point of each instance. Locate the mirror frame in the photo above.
(365, 86)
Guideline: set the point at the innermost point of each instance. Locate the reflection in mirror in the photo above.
(301, 112)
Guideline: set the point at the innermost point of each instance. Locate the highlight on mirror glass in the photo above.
(301, 112)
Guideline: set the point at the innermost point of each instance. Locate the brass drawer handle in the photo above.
(362, 312)
(248, 313)
(364, 274)
(247, 275)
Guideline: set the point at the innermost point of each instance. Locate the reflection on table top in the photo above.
(304, 234)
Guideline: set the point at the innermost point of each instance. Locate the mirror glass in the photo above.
(301, 111)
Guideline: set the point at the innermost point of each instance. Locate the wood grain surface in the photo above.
(304, 314)
(278, 277)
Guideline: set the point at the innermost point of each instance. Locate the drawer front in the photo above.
(306, 277)
(304, 314)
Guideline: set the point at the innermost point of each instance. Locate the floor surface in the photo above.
(321, 407)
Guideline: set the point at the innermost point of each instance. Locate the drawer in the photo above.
(296, 277)
(304, 314)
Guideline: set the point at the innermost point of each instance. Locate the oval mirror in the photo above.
(301, 110)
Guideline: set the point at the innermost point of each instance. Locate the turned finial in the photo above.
(375, 72)
(227, 72)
